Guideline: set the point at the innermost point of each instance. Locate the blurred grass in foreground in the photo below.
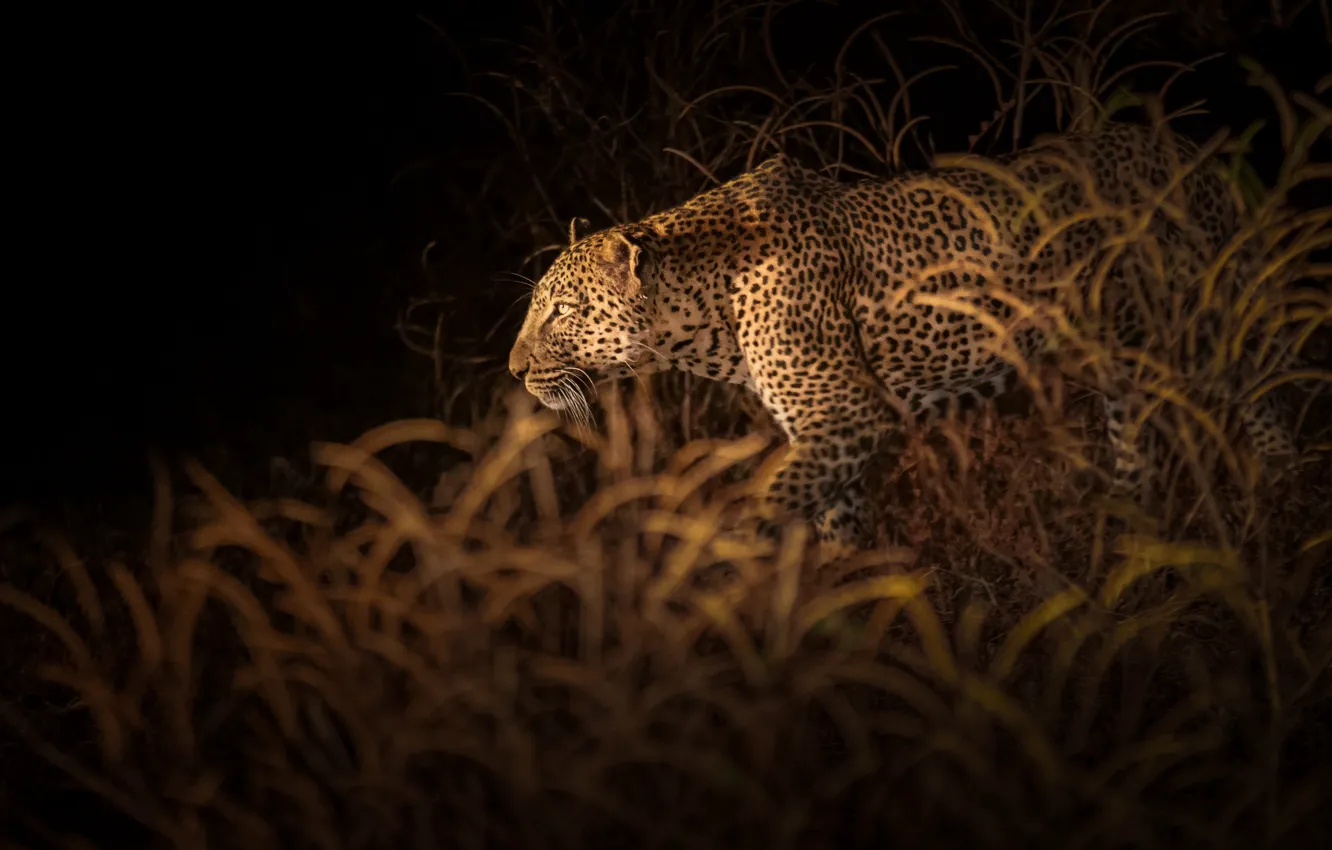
(625, 672)
(568, 641)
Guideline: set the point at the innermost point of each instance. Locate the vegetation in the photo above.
(565, 638)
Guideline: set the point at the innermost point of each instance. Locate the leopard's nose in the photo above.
(520, 358)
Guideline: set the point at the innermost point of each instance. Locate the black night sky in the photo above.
(242, 284)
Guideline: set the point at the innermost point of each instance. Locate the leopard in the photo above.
(850, 306)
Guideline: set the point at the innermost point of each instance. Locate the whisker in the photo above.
(650, 348)
(580, 404)
(580, 408)
(558, 392)
(592, 387)
(515, 277)
(630, 366)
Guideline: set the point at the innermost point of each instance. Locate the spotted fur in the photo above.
(823, 297)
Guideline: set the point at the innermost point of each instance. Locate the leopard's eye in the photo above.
(564, 309)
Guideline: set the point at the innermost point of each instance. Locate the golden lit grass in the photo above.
(568, 644)
(571, 642)
(631, 669)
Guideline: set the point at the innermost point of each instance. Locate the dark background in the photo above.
(216, 217)
(223, 251)
(220, 266)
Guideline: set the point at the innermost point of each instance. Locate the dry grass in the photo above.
(625, 671)
(569, 640)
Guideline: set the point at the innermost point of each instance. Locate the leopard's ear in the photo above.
(623, 258)
(574, 226)
(777, 163)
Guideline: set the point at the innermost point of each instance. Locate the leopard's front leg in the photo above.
(819, 485)
(834, 417)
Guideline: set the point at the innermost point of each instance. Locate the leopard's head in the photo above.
(588, 321)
